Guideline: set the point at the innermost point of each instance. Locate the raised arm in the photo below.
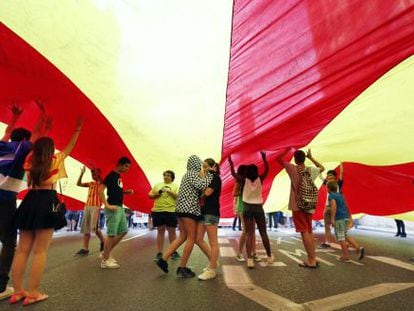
(317, 164)
(69, 147)
(233, 172)
(16, 112)
(266, 166)
(79, 182)
(341, 171)
(281, 157)
(48, 126)
(38, 128)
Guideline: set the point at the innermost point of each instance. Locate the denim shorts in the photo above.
(211, 220)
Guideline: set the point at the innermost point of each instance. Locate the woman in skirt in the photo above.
(36, 219)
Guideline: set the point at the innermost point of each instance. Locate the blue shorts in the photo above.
(211, 220)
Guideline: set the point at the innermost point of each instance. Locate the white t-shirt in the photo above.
(252, 191)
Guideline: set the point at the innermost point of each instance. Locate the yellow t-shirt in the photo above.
(57, 168)
(165, 203)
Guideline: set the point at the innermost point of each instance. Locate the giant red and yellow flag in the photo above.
(161, 80)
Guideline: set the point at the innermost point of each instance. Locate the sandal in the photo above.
(17, 296)
(31, 299)
(305, 265)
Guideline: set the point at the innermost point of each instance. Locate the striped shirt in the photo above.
(12, 156)
(93, 194)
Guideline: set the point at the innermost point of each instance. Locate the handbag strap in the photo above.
(60, 192)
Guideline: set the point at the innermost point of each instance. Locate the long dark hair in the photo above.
(242, 170)
(41, 160)
(252, 172)
(211, 163)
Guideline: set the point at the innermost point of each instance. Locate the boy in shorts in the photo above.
(163, 212)
(91, 212)
(116, 225)
(331, 176)
(340, 219)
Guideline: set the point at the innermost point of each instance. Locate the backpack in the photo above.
(308, 192)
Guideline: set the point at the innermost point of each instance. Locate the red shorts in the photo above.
(302, 221)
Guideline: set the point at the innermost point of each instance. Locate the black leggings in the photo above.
(400, 227)
(8, 236)
(254, 213)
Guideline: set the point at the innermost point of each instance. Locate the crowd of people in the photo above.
(193, 207)
(31, 154)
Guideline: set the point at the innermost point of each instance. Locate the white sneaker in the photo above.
(240, 258)
(250, 263)
(207, 275)
(270, 260)
(7, 293)
(206, 268)
(110, 258)
(108, 264)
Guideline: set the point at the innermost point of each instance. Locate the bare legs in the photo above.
(308, 243)
(213, 241)
(37, 243)
(110, 243)
(242, 240)
(177, 242)
(160, 236)
(250, 232)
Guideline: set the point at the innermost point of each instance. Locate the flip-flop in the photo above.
(305, 265)
(32, 299)
(17, 296)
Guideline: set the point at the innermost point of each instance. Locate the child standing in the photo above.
(340, 219)
(331, 176)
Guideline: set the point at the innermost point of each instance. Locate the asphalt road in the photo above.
(383, 282)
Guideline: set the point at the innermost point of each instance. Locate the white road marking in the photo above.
(279, 241)
(235, 275)
(274, 264)
(336, 246)
(351, 261)
(356, 296)
(295, 238)
(393, 262)
(324, 250)
(134, 237)
(237, 279)
(223, 241)
(221, 232)
(266, 298)
(299, 253)
(227, 252)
